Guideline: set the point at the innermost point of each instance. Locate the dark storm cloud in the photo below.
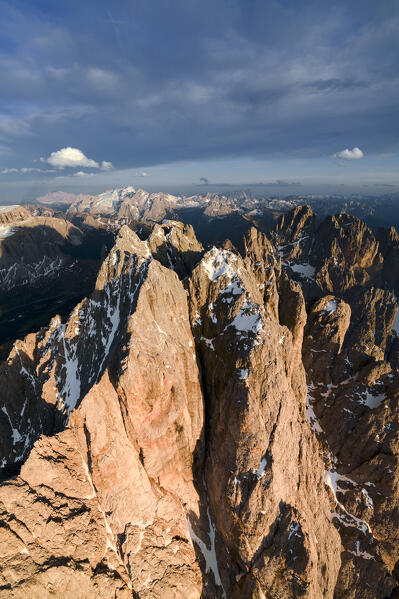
(140, 83)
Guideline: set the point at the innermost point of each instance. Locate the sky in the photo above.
(197, 94)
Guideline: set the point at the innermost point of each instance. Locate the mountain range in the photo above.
(212, 413)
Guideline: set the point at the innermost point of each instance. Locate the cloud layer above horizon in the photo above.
(97, 85)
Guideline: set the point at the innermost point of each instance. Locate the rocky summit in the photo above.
(207, 423)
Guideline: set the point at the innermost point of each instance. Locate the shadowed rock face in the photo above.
(352, 406)
(338, 256)
(44, 270)
(350, 353)
(389, 247)
(32, 249)
(175, 246)
(204, 426)
(293, 233)
(263, 474)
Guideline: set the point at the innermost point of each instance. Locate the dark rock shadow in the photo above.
(42, 274)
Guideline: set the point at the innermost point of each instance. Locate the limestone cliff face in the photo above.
(294, 232)
(352, 406)
(11, 214)
(339, 255)
(175, 246)
(350, 353)
(263, 493)
(345, 254)
(209, 425)
(264, 262)
(121, 474)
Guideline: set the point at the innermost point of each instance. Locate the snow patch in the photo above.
(211, 563)
(8, 208)
(235, 287)
(260, 472)
(281, 248)
(212, 314)
(216, 263)
(20, 273)
(6, 232)
(331, 479)
(373, 401)
(294, 528)
(16, 437)
(304, 270)
(246, 321)
(359, 553)
(242, 373)
(368, 499)
(331, 306)
(311, 416)
(69, 389)
(208, 342)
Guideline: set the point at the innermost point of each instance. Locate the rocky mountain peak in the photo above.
(119, 446)
(293, 233)
(175, 246)
(296, 222)
(338, 256)
(348, 239)
(246, 416)
(13, 213)
(264, 261)
(209, 424)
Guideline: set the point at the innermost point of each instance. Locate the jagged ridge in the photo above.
(234, 501)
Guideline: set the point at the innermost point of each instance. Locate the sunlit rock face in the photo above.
(208, 424)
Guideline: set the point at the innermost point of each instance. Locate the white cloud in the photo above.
(36, 170)
(70, 157)
(25, 170)
(83, 174)
(106, 166)
(6, 171)
(354, 154)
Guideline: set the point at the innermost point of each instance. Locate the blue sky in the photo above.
(160, 94)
